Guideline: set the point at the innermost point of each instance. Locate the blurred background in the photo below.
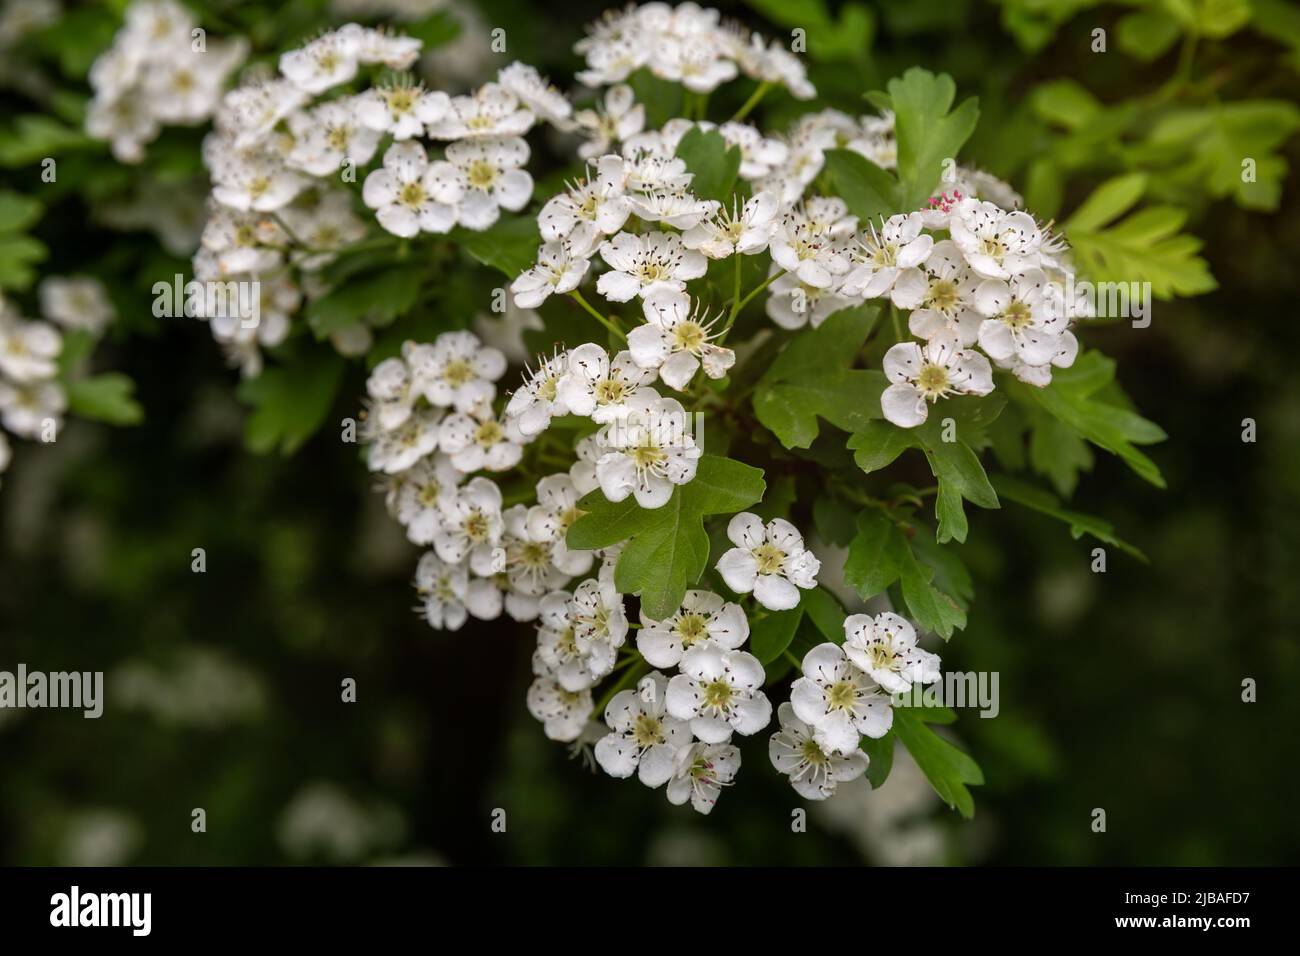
(1119, 690)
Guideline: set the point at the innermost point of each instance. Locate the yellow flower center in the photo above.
(933, 380)
(770, 558)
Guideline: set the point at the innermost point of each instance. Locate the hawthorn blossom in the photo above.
(947, 304)
(759, 155)
(537, 400)
(492, 110)
(397, 449)
(402, 193)
(588, 210)
(419, 498)
(401, 109)
(549, 520)
(599, 624)
(802, 248)
(792, 303)
(996, 243)
(557, 271)
(537, 93)
(325, 62)
(719, 691)
(596, 386)
(839, 701)
(923, 374)
(675, 340)
(32, 409)
(476, 439)
(28, 350)
(885, 649)
(1020, 321)
(259, 182)
(746, 232)
(331, 136)
(888, 260)
(643, 738)
(703, 617)
(617, 119)
(76, 302)
(563, 713)
(649, 451)
(472, 523)
(482, 176)
(456, 371)
(678, 208)
(702, 770)
(813, 771)
(442, 587)
(647, 263)
(769, 560)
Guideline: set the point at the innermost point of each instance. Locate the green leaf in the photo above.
(712, 162)
(668, 548)
(960, 476)
(931, 608)
(829, 40)
(771, 635)
(1107, 203)
(949, 770)
(877, 444)
(290, 402)
(376, 299)
(822, 608)
(510, 246)
(869, 191)
(1146, 34)
(105, 398)
(19, 253)
(811, 378)
(36, 137)
(1065, 103)
(1044, 502)
(880, 758)
(875, 555)
(18, 213)
(928, 130)
(1071, 401)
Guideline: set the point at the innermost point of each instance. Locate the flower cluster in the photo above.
(32, 394)
(160, 71)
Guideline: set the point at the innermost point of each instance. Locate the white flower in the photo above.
(537, 401)
(549, 520)
(599, 624)
(703, 617)
(702, 771)
(759, 155)
(996, 243)
(921, 374)
(28, 350)
(769, 560)
(1040, 376)
(76, 302)
(330, 136)
(472, 524)
(646, 263)
(401, 109)
(813, 772)
(678, 208)
(1020, 321)
(776, 64)
(839, 701)
(888, 260)
(325, 62)
(392, 398)
(249, 113)
(802, 248)
(477, 439)
(728, 233)
(26, 407)
(563, 713)
(557, 271)
(649, 450)
(398, 449)
(597, 387)
(529, 560)
(588, 210)
(948, 301)
(401, 193)
(537, 93)
(482, 176)
(377, 46)
(622, 117)
(259, 181)
(241, 242)
(793, 304)
(491, 111)
(884, 647)
(583, 471)
(419, 497)
(675, 340)
(442, 588)
(644, 739)
(456, 371)
(719, 691)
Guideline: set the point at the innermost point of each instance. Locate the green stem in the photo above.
(607, 323)
(798, 664)
(754, 99)
(738, 305)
